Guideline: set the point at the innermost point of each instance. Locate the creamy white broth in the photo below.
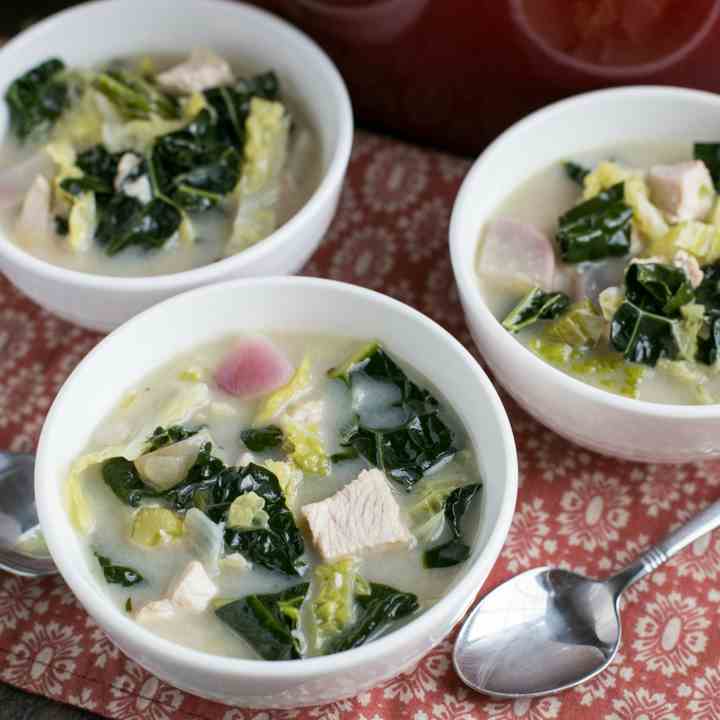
(545, 196)
(400, 568)
(300, 178)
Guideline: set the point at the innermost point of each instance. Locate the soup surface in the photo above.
(310, 511)
(151, 166)
(606, 267)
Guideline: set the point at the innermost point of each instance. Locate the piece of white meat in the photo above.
(683, 191)
(516, 254)
(690, 266)
(155, 610)
(362, 517)
(201, 71)
(192, 589)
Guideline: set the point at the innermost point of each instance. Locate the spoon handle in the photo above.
(702, 523)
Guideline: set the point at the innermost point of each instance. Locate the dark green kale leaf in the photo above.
(417, 439)
(99, 170)
(260, 439)
(231, 105)
(375, 613)
(194, 168)
(658, 288)
(575, 172)
(597, 228)
(708, 295)
(212, 487)
(342, 456)
(280, 545)
(455, 550)
(536, 305)
(162, 436)
(267, 622)
(641, 336)
(135, 97)
(709, 153)
(37, 99)
(125, 221)
(118, 574)
(645, 326)
(122, 477)
(62, 226)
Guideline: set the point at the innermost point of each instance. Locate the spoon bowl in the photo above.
(547, 629)
(18, 516)
(568, 621)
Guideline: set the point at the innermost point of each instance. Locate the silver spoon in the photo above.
(548, 629)
(18, 515)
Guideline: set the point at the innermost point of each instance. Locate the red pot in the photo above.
(454, 73)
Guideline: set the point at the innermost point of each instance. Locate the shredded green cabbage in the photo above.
(298, 385)
(305, 446)
(648, 218)
(333, 607)
(579, 326)
(289, 476)
(695, 237)
(154, 525)
(247, 513)
(265, 153)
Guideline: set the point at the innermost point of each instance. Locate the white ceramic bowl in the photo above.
(614, 425)
(92, 33)
(275, 304)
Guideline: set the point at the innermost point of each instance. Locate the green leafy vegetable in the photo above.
(536, 305)
(118, 574)
(342, 371)
(709, 153)
(708, 295)
(643, 337)
(168, 436)
(61, 225)
(134, 97)
(597, 228)
(194, 168)
(212, 487)
(268, 622)
(37, 99)
(128, 605)
(125, 221)
(581, 326)
(260, 439)
(333, 606)
(455, 550)
(657, 288)
(342, 456)
(645, 327)
(575, 172)
(122, 477)
(376, 611)
(415, 441)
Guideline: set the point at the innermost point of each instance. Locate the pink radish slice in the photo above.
(253, 367)
(517, 253)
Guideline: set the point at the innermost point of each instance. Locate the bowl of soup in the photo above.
(273, 508)
(588, 269)
(140, 157)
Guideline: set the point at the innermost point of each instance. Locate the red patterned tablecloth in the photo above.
(575, 509)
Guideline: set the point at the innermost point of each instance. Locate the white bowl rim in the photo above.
(119, 624)
(467, 281)
(331, 179)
